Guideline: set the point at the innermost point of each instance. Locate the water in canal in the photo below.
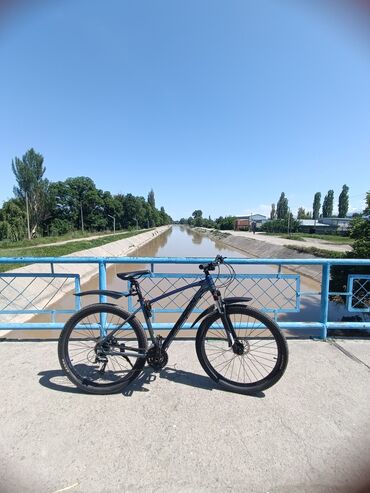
(181, 241)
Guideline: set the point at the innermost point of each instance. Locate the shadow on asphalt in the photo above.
(56, 380)
(194, 380)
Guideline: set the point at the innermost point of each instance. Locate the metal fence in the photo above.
(37, 290)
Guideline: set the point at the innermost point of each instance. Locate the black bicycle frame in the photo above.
(205, 285)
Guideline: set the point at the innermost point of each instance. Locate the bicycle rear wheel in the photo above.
(258, 359)
(107, 369)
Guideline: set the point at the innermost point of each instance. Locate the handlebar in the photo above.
(212, 265)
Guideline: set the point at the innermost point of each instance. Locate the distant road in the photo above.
(85, 238)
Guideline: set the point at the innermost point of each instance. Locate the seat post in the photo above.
(137, 287)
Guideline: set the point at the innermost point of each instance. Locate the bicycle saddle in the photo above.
(127, 276)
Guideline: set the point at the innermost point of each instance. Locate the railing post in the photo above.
(325, 279)
(102, 298)
(77, 290)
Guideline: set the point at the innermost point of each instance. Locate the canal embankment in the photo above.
(177, 241)
(261, 247)
(37, 292)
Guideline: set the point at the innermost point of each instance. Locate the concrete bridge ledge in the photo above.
(177, 431)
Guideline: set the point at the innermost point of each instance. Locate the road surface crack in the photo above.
(348, 353)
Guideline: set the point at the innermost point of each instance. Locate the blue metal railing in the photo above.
(292, 282)
(34, 310)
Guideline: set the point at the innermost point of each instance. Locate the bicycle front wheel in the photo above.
(102, 369)
(255, 362)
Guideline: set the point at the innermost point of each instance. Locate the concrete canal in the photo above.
(180, 241)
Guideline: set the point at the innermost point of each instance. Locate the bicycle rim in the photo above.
(262, 355)
(79, 343)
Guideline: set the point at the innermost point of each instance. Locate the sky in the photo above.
(216, 105)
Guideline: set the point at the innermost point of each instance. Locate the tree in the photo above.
(282, 207)
(343, 202)
(151, 198)
(198, 217)
(273, 212)
(32, 188)
(360, 231)
(78, 201)
(327, 206)
(316, 205)
(226, 222)
(281, 225)
(164, 217)
(367, 208)
(302, 214)
(12, 220)
(208, 223)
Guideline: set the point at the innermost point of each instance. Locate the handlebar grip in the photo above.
(212, 265)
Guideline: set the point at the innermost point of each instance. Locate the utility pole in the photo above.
(82, 218)
(288, 220)
(28, 218)
(114, 223)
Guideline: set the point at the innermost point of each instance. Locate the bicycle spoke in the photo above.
(254, 356)
(92, 362)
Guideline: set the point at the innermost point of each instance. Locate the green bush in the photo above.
(60, 227)
(281, 225)
(360, 232)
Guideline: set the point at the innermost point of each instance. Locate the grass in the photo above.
(60, 250)
(291, 236)
(74, 235)
(345, 240)
(317, 252)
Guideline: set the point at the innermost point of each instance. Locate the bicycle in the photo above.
(103, 348)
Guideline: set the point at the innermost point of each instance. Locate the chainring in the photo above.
(157, 358)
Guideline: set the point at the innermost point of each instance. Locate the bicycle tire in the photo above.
(261, 343)
(71, 341)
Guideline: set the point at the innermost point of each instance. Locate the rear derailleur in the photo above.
(156, 357)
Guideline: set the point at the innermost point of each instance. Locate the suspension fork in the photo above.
(228, 325)
(222, 309)
(225, 317)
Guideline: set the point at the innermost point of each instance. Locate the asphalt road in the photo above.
(177, 432)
